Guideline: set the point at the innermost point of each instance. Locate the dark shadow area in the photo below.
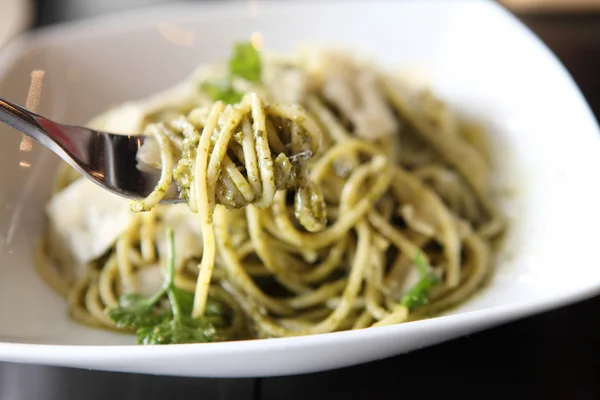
(555, 355)
(30, 382)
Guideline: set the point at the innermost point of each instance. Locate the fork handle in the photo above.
(22, 119)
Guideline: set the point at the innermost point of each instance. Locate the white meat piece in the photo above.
(88, 219)
(150, 280)
(354, 88)
(126, 119)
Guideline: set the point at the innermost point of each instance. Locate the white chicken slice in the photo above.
(87, 231)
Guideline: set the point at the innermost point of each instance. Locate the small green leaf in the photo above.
(156, 325)
(134, 311)
(185, 300)
(213, 312)
(174, 331)
(224, 93)
(421, 265)
(418, 295)
(245, 62)
(132, 300)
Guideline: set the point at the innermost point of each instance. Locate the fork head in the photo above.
(108, 159)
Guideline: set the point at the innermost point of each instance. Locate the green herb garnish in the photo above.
(135, 311)
(244, 63)
(156, 324)
(223, 92)
(418, 295)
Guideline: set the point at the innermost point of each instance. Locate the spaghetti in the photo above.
(327, 197)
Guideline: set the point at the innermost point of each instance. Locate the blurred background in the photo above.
(570, 27)
(556, 356)
(54, 10)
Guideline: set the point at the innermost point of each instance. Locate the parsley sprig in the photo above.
(222, 92)
(156, 324)
(418, 295)
(244, 63)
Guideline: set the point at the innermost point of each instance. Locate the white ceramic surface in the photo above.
(15, 16)
(473, 53)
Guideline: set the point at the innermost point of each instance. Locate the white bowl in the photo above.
(474, 54)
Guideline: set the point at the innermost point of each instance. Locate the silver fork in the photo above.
(106, 159)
